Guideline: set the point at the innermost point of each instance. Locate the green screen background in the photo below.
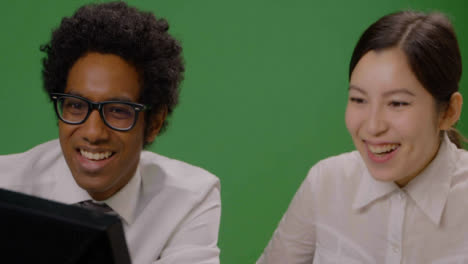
(262, 101)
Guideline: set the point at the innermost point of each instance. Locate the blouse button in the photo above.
(402, 195)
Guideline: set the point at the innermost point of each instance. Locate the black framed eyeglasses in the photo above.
(118, 115)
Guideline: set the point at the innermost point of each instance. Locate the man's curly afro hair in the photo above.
(137, 37)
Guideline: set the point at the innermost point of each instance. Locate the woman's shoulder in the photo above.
(343, 168)
(340, 163)
(460, 166)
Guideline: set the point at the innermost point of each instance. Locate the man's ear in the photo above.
(155, 125)
(452, 113)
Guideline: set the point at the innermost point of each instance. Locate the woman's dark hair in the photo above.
(431, 47)
(115, 28)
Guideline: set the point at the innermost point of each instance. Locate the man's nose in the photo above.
(94, 130)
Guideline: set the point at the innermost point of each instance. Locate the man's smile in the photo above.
(94, 161)
(95, 155)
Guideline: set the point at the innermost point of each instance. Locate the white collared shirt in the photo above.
(170, 210)
(341, 214)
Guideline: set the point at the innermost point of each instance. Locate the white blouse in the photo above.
(340, 214)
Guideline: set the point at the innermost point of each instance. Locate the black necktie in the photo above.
(100, 207)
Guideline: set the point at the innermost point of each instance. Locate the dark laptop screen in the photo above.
(35, 230)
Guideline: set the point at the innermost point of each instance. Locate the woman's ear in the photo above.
(452, 113)
(155, 125)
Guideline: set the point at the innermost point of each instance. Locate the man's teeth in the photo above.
(382, 148)
(95, 156)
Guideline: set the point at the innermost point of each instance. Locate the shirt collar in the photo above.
(66, 189)
(123, 202)
(370, 189)
(429, 189)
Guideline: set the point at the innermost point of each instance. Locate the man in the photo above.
(113, 74)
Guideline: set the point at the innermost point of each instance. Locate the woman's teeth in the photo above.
(95, 156)
(381, 149)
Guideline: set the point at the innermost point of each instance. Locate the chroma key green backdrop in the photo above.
(263, 98)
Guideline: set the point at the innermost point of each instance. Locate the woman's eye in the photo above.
(356, 100)
(398, 103)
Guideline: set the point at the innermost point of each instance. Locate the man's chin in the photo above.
(96, 188)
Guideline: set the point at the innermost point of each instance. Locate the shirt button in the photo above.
(402, 195)
(396, 249)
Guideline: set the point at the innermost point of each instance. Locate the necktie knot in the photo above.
(100, 207)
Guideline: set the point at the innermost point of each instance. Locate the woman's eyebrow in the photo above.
(354, 87)
(387, 93)
(397, 91)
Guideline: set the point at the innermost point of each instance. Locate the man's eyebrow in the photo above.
(74, 93)
(118, 98)
(121, 99)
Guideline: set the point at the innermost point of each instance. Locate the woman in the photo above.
(402, 196)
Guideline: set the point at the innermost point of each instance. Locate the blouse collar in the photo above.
(429, 190)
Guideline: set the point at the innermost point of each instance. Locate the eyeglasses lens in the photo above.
(116, 115)
(72, 110)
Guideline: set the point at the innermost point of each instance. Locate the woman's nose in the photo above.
(376, 122)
